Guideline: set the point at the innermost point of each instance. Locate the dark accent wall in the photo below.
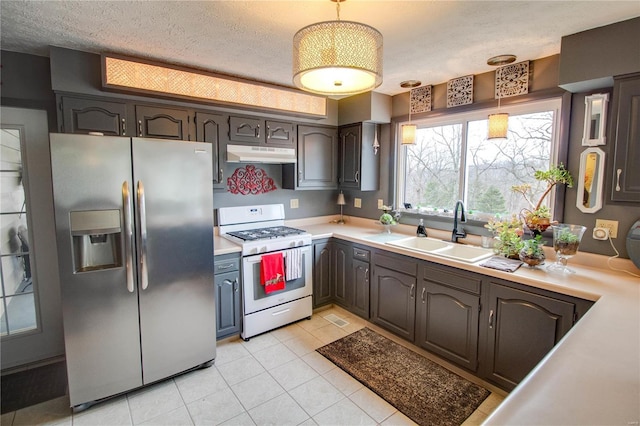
(25, 82)
(625, 213)
(590, 59)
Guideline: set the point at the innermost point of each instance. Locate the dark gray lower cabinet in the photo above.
(227, 283)
(393, 290)
(499, 330)
(522, 329)
(360, 287)
(448, 309)
(325, 272)
(341, 264)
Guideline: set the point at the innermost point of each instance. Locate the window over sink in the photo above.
(452, 160)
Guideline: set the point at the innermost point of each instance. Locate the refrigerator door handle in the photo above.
(128, 240)
(144, 272)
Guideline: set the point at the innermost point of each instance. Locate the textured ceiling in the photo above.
(431, 41)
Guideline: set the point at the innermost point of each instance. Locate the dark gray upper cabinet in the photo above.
(80, 115)
(256, 131)
(359, 166)
(210, 128)
(317, 157)
(393, 291)
(626, 128)
(163, 123)
(522, 328)
(280, 133)
(227, 284)
(447, 318)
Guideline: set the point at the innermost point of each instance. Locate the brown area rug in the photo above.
(419, 388)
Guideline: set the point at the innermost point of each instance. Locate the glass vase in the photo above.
(566, 240)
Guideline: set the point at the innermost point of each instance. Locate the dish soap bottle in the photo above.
(421, 231)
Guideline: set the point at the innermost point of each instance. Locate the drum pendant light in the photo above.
(498, 125)
(408, 131)
(337, 57)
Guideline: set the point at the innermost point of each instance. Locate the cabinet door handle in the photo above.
(491, 318)
(227, 266)
(366, 275)
(357, 176)
(424, 289)
(236, 287)
(124, 127)
(618, 173)
(221, 173)
(258, 132)
(268, 132)
(140, 128)
(413, 287)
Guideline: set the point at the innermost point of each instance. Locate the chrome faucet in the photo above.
(458, 233)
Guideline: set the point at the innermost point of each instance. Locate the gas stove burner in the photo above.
(266, 233)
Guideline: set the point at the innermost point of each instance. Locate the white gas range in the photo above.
(260, 230)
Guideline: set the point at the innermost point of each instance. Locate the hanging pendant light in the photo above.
(337, 57)
(408, 131)
(498, 125)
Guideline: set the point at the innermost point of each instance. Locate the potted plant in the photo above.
(507, 234)
(538, 217)
(532, 252)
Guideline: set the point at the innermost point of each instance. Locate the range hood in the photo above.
(260, 154)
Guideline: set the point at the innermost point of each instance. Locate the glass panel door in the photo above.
(18, 302)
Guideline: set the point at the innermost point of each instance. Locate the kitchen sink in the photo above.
(464, 253)
(420, 243)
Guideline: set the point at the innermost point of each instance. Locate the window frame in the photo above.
(560, 103)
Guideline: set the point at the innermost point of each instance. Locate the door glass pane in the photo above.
(20, 314)
(432, 168)
(18, 302)
(494, 166)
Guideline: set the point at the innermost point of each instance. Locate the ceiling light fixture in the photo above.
(141, 76)
(337, 57)
(498, 124)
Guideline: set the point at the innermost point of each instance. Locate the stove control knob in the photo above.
(263, 249)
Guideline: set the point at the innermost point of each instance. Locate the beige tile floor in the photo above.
(274, 379)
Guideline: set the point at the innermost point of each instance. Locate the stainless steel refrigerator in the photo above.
(134, 228)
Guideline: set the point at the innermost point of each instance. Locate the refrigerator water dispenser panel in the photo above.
(97, 236)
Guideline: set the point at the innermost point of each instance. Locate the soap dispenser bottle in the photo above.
(421, 231)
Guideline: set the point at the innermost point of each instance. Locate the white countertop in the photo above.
(593, 375)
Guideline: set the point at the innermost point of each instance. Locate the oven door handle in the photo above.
(306, 250)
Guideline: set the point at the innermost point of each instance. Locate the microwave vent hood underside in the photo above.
(260, 154)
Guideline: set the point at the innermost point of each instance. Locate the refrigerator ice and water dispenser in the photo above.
(96, 239)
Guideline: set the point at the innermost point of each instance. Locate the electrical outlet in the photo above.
(293, 203)
(611, 225)
(601, 234)
(380, 204)
(357, 202)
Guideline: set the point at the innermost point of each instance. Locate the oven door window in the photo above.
(258, 289)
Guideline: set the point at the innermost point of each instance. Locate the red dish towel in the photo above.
(272, 272)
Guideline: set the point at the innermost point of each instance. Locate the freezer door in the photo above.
(99, 301)
(174, 203)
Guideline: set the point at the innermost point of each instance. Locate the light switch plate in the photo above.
(380, 204)
(357, 202)
(293, 203)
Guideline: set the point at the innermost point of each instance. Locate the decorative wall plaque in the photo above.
(420, 99)
(460, 91)
(250, 180)
(512, 80)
